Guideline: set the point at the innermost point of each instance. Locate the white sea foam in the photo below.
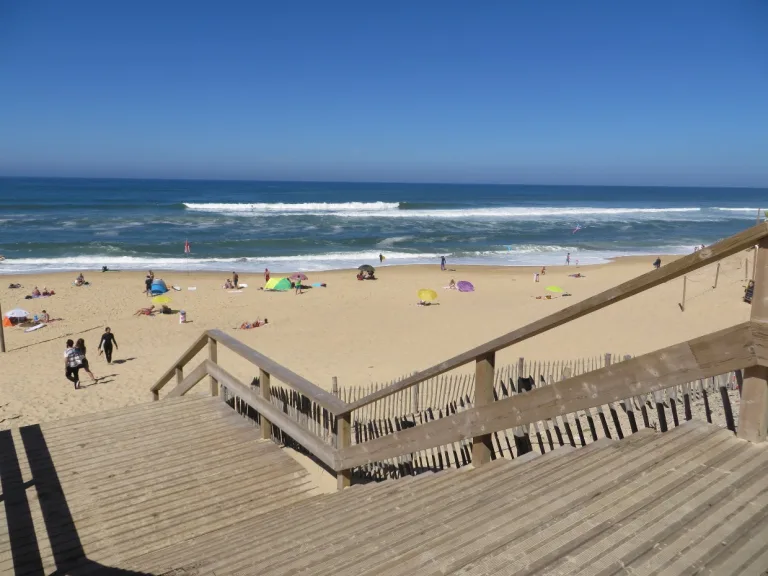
(513, 255)
(394, 210)
(283, 208)
(751, 210)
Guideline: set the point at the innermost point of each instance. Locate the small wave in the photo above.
(393, 240)
(752, 210)
(279, 207)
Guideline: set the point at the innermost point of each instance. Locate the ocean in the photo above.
(52, 224)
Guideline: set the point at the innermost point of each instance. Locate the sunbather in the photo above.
(228, 284)
(80, 280)
(255, 324)
(45, 318)
(35, 293)
(47, 292)
(145, 311)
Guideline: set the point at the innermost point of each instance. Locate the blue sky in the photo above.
(564, 91)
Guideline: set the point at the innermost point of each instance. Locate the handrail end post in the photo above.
(213, 357)
(484, 375)
(343, 440)
(155, 395)
(266, 395)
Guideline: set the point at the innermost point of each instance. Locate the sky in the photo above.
(560, 92)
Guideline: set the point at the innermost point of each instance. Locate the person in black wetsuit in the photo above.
(106, 343)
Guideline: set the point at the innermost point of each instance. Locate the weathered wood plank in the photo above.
(190, 381)
(644, 282)
(702, 357)
(298, 383)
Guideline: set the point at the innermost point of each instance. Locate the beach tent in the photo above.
(158, 287)
(278, 284)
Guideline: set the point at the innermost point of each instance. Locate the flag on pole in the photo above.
(186, 247)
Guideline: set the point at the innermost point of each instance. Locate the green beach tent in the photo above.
(278, 284)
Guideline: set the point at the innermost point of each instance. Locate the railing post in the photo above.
(266, 394)
(213, 356)
(414, 399)
(335, 386)
(343, 440)
(179, 375)
(484, 374)
(753, 409)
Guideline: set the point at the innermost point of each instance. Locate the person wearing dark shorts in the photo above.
(148, 285)
(106, 343)
(235, 280)
(72, 363)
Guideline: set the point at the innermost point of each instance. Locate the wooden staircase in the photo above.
(84, 494)
(186, 487)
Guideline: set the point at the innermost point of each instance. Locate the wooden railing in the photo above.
(744, 346)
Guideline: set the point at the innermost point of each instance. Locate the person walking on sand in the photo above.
(72, 363)
(657, 263)
(266, 275)
(442, 263)
(568, 259)
(298, 286)
(235, 280)
(381, 258)
(148, 285)
(80, 347)
(106, 343)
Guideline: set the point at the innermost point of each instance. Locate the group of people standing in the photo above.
(75, 356)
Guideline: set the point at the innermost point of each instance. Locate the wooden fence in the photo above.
(711, 399)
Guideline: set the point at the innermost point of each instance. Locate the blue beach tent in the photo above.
(158, 287)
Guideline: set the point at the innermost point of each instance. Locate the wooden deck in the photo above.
(185, 487)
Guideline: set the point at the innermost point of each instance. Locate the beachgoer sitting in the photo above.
(370, 276)
(228, 284)
(80, 280)
(145, 311)
(166, 310)
(36, 293)
(45, 318)
(360, 276)
(452, 284)
(47, 292)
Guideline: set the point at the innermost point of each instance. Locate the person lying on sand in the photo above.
(255, 324)
(145, 311)
(577, 275)
(13, 286)
(423, 303)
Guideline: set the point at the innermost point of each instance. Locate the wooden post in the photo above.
(682, 304)
(746, 269)
(754, 260)
(717, 273)
(414, 398)
(484, 370)
(213, 356)
(335, 386)
(607, 359)
(753, 409)
(179, 374)
(266, 394)
(2, 334)
(343, 440)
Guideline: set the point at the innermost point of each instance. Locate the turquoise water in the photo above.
(66, 224)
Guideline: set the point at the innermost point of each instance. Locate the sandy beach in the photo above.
(360, 332)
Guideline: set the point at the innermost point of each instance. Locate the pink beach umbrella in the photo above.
(298, 276)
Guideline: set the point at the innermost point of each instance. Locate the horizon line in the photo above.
(400, 182)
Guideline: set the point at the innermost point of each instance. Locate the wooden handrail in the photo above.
(675, 269)
(298, 383)
(190, 353)
(190, 381)
(703, 357)
(323, 452)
